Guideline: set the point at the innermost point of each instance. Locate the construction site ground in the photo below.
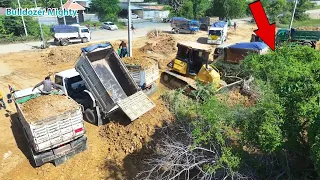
(113, 149)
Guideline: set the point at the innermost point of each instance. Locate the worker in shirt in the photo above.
(48, 85)
(2, 101)
(124, 49)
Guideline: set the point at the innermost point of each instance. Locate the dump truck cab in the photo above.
(73, 86)
(255, 38)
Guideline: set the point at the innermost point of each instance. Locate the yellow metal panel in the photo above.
(180, 66)
(209, 75)
(213, 37)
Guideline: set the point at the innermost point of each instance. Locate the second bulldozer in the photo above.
(191, 63)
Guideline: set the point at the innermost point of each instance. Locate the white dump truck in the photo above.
(66, 34)
(52, 124)
(101, 83)
(218, 32)
(145, 77)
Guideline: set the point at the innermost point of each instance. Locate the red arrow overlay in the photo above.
(265, 30)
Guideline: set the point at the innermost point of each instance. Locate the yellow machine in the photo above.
(191, 63)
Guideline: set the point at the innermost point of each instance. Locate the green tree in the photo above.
(106, 9)
(228, 8)
(5, 3)
(302, 7)
(275, 8)
(199, 7)
(186, 10)
(51, 3)
(293, 74)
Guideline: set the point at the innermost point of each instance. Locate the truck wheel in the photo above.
(57, 42)
(64, 42)
(307, 44)
(84, 40)
(91, 116)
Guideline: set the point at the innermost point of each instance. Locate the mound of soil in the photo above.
(153, 33)
(61, 55)
(46, 106)
(309, 28)
(127, 139)
(142, 61)
(163, 43)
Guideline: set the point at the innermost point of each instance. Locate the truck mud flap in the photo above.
(136, 105)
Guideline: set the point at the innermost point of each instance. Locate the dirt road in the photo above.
(108, 145)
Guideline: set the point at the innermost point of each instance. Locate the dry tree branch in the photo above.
(178, 159)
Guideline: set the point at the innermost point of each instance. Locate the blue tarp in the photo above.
(219, 24)
(252, 45)
(179, 19)
(92, 48)
(64, 29)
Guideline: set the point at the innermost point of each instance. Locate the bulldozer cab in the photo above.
(190, 58)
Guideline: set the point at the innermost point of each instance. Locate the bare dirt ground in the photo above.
(108, 145)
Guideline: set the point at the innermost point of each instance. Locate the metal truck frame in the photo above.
(110, 85)
(183, 25)
(35, 133)
(300, 37)
(218, 33)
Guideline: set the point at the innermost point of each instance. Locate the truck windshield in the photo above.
(182, 53)
(215, 32)
(194, 24)
(75, 85)
(84, 30)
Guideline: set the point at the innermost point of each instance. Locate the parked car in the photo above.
(134, 16)
(109, 26)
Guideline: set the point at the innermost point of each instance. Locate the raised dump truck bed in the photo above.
(110, 82)
(53, 125)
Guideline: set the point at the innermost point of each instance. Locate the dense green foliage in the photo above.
(192, 9)
(12, 30)
(106, 9)
(278, 135)
(228, 8)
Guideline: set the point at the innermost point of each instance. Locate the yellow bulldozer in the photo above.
(191, 63)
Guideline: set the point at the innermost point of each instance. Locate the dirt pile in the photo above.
(123, 140)
(234, 98)
(61, 55)
(163, 43)
(46, 106)
(309, 28)
(143, 61)
(153, 33)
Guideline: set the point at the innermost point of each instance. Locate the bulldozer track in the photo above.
(176, 81)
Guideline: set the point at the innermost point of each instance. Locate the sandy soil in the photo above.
(47, 106)
(108, 145)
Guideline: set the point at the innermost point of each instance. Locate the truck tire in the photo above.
(175, 31)
(84, 40)
(307, 44)
(91, 116)
(57, 42)
(64, 42)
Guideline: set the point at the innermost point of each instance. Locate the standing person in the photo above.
(95, 26)
(47, 85)
(2, 101)
(235, 26)
(124, 49)
(133, 29)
